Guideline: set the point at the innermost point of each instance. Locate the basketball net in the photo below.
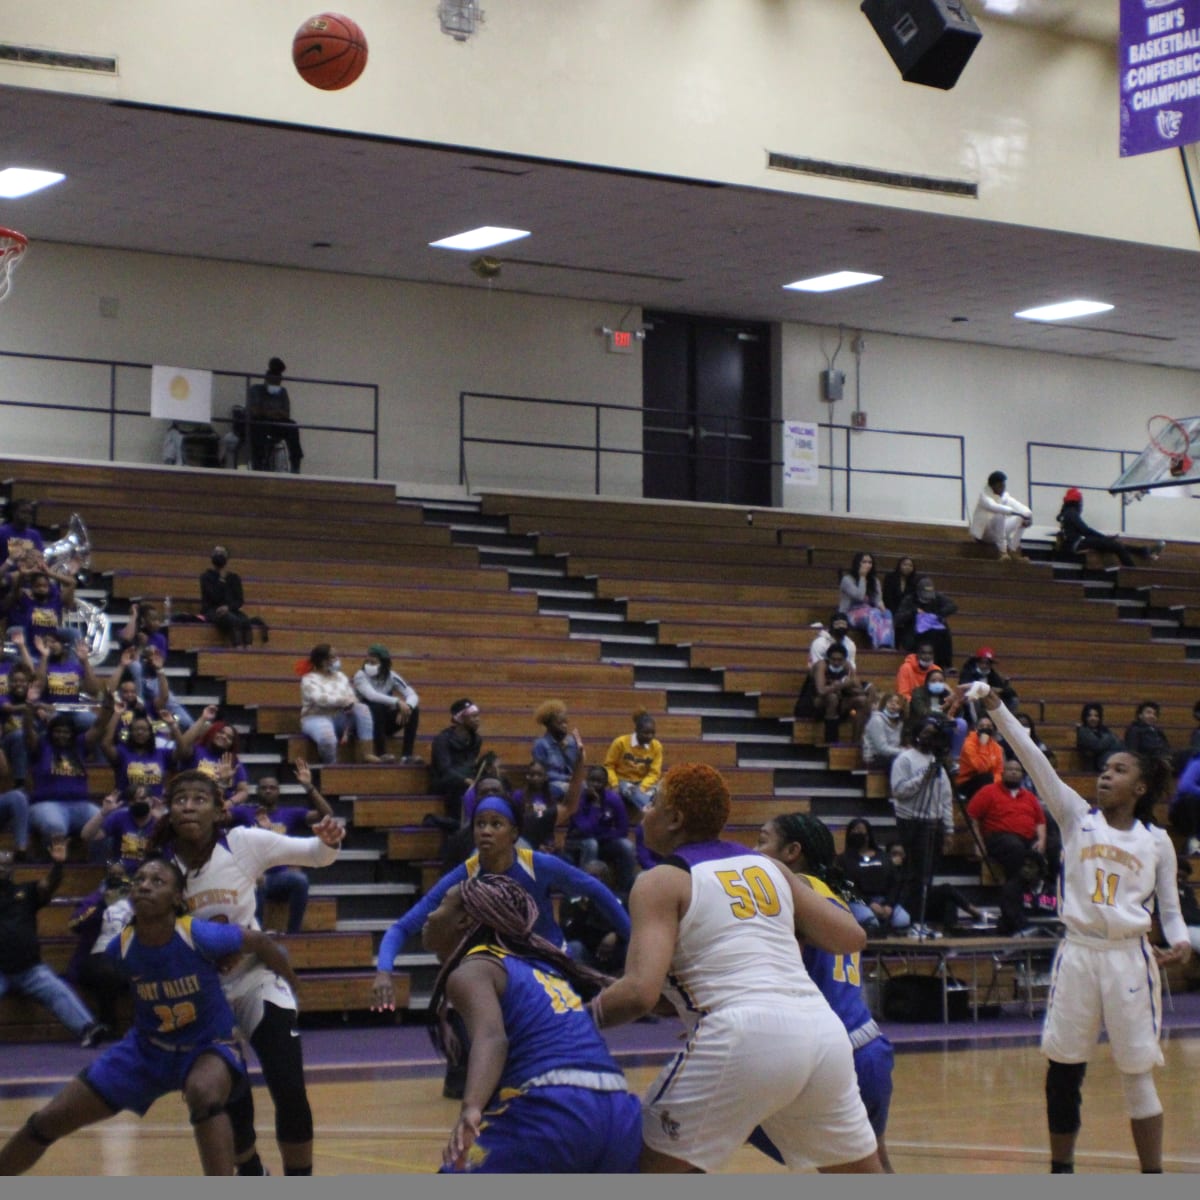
(12, 247)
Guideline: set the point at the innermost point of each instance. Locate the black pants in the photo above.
(1007, 851)
(922, 842)
(237, 628)
(387, 722)
(262, 437)
(101, 977)
(1107, 545)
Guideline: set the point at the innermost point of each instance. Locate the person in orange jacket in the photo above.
(981, 759)
(914, 669)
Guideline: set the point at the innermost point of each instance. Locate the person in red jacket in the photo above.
(1009, 820)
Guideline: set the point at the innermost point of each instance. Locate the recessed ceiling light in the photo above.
(1064, 311)
(481, 238)
(23, 181)
(831, 283)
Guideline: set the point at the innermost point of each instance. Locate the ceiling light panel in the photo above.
(481, 239)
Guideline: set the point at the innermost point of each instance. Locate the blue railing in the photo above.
(1107, 454)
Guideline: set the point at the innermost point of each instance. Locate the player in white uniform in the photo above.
(1115, 864)
(716, 924)
(222, 868)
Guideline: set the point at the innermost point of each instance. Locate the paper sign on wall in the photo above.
(800, 464)
(181, 394)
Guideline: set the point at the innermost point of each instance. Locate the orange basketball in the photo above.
(330, 51)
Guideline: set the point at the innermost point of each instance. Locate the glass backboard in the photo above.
(1152, 468)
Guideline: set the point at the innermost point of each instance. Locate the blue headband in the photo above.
(496, 804)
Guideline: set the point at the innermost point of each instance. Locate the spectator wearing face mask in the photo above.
(922, 618)
(914, 670)
(1008, 819)
(935, 700)
(269, 416)
(981, 762)
(881, 740)
(839, 633)
(329, 706)
(221, 601)
(393, 702)
(982, 666)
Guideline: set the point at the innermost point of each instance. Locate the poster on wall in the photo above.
(1160, 74)
(180, 394)
(800, 464)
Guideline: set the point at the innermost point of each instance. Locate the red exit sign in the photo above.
(620, 341)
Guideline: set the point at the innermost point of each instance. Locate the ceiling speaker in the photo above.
(929, 40)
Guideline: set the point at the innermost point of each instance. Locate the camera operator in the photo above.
(922, 797)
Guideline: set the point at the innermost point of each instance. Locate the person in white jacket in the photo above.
(999, 518)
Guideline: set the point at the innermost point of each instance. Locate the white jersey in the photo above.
(737, 940)
(1110, 877)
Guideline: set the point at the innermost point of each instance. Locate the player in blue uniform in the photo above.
(542, 1093)
(183, 1029)
(805, 846)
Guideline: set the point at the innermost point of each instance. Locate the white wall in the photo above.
(699, 88)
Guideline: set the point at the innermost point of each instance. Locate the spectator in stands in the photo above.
(599, 829)
(18, 535)
(1189, 907)
(861, 599)
(269, 416)
(1185, 807)
(981, 762)
(875, 879)
(16, 635)
(838, 633)
(1026, 896)
(65, 673)
(12, 722)
(936, 701)
(982, 666)
(98, 918)
(538, 809)
(1027, 721)
(456, 753)
(882, 739)
(145, 642)
(221, 600)
(1143, 736)
(14, 809)
(21, 966)
(634, 761)
(60, 805)
(393, 702)
(286, 884)
(1008, 819)
(211, 747)
(922, 618)
(37, 598)
(840, 693)
(1077, 536)
(1000, 518)
(942, 901)
(914, 670)
(328, 705)
(898, 583)
(556, 749)
(591, 937)
(124, 829)
(1094, 741)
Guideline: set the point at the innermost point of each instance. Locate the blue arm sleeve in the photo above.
(411, 922)
(1189, 781)
(562, 877)
(214, 940)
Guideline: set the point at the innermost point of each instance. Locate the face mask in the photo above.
(936, 688)
(985, 735)
(336, 665)
(855, 841)
(139, 809)
(274, 389)
(370, 670)
(219, 560)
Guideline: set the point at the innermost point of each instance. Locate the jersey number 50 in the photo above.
(753, 893)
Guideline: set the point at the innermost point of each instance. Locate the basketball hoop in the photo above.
(1171, 440)
(12, 246)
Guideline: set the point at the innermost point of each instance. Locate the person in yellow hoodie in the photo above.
(634, 762)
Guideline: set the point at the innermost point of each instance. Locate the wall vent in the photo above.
(35, 57)
(896, 179)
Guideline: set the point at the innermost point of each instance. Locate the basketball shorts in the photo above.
(133, 1074)
(788, 1068)
(1114, 986)
(558, 1131)
(249, 991)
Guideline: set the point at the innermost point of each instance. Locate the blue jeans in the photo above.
(60, 818)
(290, 884)
(14, 807)
(617, 852)
(17, 753)
(41, 984)
(148, 694)
(325, 731)
(868, 920)
(634, 793)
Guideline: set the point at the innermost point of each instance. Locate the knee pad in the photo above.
(204, 1112)
(1064, 1084)
(35, 1134)
(1141, 1097)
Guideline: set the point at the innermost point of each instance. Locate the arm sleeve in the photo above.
(214, 940)
(906, 779)
(1165, 885)
(369, 692)
(853, 591)
(1189, 781)
(411, 922)
(261, 848)
(562, 877)
(1066, 806)
(652, 776)
(407, 690)
(612, 760)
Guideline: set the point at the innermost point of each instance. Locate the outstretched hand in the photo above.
(330, 830)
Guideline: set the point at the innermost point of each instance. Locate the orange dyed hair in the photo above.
(700, 795)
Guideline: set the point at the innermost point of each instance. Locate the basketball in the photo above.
(330, 51)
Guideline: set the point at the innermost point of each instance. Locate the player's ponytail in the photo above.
(1155, 772)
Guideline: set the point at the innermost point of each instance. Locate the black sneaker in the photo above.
(94, 1034)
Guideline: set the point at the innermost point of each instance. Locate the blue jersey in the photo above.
(839, 976)
(546, 1024)
(178, 1001)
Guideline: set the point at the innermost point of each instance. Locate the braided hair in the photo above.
(820, 853)
(502, 913)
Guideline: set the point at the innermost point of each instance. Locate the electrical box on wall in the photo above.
(833, 384)
(858, 419)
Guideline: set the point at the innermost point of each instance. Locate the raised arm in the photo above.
(321, 807)
(571, 881)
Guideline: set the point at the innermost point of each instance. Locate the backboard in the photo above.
(1152, 468)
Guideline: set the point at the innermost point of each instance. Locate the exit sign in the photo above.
(620, 341)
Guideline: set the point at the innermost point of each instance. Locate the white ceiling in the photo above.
(175, 183)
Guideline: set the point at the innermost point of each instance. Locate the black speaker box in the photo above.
(929, 40)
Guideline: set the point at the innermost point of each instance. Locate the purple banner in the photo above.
(1160, 74)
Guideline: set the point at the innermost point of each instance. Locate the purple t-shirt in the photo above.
(292, 821)
(64, 680)
(18, 542)
(603, 821)
(37, 618)
(207, 762)
(60, 775)
(142, 768)
(127, 840)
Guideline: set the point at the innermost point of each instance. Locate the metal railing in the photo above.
(113, 409)
(1122, 457)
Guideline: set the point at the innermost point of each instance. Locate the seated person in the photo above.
(941, 902)
(999, 518)
(839, 632)
(59, 807)
(1077, 536)
(599, 829)
(935, 698)
(1094, 741)
(269, 416)
(922, 618)
(329, 706)
(591, 937)
(634, 761)
(1008, 820)
(876, 878)
(456, 754)
(982, 666)
(221, 600)
(980, 760)
(882, 736)
(36, 599)
(538, 809)
(393, 702)
(211, 746)
(1144, 736)
(840, 693)
(144, 656)
(557, 749)
(914, 670)
(65, 674)
(1026, 895)
(861, 599)
(18, 535)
